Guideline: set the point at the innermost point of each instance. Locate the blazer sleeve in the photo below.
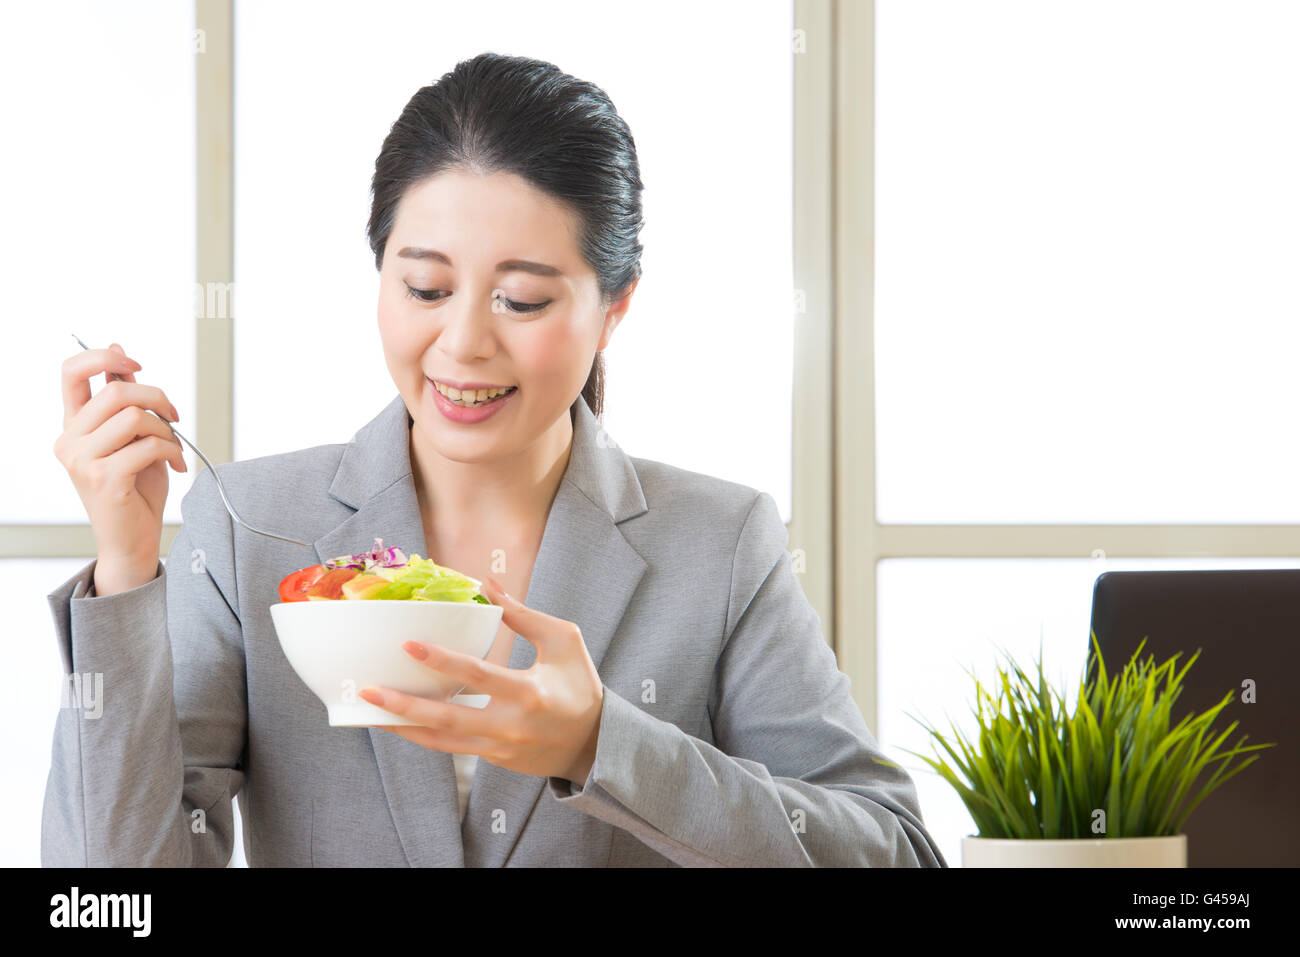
(796, 778)
(149, 779)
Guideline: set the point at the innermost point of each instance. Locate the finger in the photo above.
(140, 454)
(127, 376)
(79, 369)
(474, 672)
(440, 716)
(114, 397)
(545, 632)
(124, 428)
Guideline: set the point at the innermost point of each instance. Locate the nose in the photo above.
(468, 328)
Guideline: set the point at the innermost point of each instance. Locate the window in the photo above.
(1084, 323)
(1086, 307)
(98, 193)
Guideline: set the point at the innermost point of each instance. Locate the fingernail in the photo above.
(416, 650)
(372, 696)
(496, 586)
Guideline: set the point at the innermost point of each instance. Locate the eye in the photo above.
(424, 295)
(521, 307)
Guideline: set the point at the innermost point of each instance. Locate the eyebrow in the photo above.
(509, 265)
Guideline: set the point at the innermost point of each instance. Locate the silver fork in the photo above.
(221, 490)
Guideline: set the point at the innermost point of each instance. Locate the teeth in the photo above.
(470, 397)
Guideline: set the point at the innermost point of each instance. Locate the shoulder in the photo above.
(716, 533)
(711, 509)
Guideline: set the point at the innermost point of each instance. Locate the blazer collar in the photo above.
(585, 572)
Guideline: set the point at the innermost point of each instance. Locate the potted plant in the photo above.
(1109, 785)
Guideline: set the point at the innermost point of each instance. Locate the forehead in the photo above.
(485, 215)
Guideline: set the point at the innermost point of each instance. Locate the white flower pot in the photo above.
(1168, 851)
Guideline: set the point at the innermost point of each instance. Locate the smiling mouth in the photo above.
(472, 399)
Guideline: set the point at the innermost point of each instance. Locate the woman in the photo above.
(669, 687)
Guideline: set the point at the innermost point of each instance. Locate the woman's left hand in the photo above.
(543, 720)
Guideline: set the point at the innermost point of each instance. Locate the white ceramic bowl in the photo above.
(340, 647)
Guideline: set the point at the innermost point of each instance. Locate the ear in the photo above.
(614, 315)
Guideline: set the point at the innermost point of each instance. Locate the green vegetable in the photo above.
(422, 579)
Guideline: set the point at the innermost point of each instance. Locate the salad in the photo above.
(383, 574)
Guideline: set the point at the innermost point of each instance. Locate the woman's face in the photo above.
(482, 282)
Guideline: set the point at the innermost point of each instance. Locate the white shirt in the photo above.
(466, 763)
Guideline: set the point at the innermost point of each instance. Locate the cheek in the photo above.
(401, 350)
(387, 314)
(551, 352)
(391, 325)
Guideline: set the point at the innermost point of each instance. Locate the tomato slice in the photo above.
(295, 584)
(330, 585)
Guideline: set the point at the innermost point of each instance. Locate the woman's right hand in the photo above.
(117, 454)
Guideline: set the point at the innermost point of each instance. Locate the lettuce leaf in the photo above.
(422, 579)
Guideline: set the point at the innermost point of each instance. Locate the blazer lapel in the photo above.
(585, 572)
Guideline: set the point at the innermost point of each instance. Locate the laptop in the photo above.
(1247, 624)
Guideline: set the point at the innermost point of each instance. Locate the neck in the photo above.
(497, 499)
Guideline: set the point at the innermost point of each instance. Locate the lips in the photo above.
(473, 413)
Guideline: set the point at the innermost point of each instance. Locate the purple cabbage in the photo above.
(377, 557)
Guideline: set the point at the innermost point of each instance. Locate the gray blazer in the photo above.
(727, 738)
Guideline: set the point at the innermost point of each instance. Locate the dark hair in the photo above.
(561, 135)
